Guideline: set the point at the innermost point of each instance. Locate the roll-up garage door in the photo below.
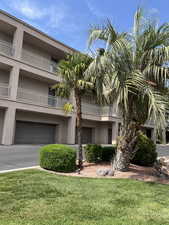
(34, 133)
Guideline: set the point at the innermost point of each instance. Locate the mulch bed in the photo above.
(135, 172)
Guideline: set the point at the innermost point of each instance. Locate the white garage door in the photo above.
(34, 133)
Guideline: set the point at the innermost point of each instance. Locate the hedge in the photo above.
(57, 157)
(95, 153)
(145, 156)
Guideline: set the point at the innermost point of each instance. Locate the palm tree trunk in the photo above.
(126, 147)
(79, 129)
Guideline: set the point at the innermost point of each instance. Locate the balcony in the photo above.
(91, 109)
(39, 61)
(6, 48)
(4, 91)
(97, 110)
(27, 96)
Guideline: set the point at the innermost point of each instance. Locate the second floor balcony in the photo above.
(39, 61)
(27, 96)
(6, 48)
(4, 91)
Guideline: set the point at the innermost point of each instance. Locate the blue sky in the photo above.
(69, 20)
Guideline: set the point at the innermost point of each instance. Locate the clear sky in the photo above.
(69, 20)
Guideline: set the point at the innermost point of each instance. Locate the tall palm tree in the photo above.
(133, 69)
(72, 71)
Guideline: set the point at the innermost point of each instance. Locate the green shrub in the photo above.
(93, 153)
(108, 153)
(60, 158)
(146, 155)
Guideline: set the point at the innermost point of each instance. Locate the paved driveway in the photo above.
(18, 156)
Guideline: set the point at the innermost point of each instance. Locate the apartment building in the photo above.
(29, 111)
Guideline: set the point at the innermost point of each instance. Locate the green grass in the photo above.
(35, 197)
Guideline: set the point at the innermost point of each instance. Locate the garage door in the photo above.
(34, 133)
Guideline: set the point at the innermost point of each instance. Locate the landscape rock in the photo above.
(102, 172)
(162, 167)
(111, 172)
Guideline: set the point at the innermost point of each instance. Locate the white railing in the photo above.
(6, 48)
(39, 61)
(42, 100)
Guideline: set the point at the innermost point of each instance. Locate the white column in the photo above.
(13, 82)
(18, 42)
(154, 135)
(9, 127)
(71, 130)
(114, 132)
(103, 134)
(164, 136)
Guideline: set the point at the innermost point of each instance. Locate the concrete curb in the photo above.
(19, 169)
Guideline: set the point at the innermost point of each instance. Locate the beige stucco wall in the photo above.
(1, 123)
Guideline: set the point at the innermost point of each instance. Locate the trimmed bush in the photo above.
(146, 155)
(56, 157)
(93, 153)
(107, 153)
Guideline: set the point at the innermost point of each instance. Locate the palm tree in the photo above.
(133, 69)
(72, 71)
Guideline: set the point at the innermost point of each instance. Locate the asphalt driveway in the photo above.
(21, 156)
(18, 156)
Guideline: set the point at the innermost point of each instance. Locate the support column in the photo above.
(103, 137)
(114, 132)
(13, 82)
(164, 136)
(9, 126)
(71, 130)
(154, 135)
(18, 42)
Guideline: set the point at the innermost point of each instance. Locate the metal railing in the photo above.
(6, 48)
(39, 61)
(41, 100)
(4, 90)
(97, 110)
(91, 109)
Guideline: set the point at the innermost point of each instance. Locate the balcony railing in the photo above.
(6, 48)
(41, 100)
(91, 109)
(4, 91)
(39, 61)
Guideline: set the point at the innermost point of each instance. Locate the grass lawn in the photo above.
(35, 197)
